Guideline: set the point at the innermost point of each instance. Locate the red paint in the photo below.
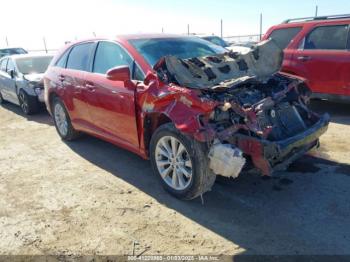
(326, 71)
(126, 113)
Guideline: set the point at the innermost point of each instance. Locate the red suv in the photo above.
(195, 110)
(318, 49)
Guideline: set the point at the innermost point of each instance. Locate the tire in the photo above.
(201, 178)
(62, 121)
(28, 104)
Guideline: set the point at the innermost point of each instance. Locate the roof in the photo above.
(126, 38)
(150, 36)
(317, 19)
(30, 56)
(11, 47)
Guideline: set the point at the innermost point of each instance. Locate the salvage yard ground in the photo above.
(90, 197)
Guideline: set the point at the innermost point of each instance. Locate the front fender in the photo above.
(23, 85)
(182, 106)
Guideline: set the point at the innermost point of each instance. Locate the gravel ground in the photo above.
(90, 197)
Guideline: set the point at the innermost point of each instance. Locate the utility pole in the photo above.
(188, 29)
(7, 41)
(261, 21)
(316, 12)
(44, 40)
(221, 34)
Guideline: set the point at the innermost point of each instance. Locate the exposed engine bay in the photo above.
(258, 111)
(274, 110)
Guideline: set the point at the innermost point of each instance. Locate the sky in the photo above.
(27, 22)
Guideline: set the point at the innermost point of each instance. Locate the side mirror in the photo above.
(12, 73)
(120, 73)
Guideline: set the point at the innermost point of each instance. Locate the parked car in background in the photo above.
(216, 40)
(242, 47)
(221, 42)
(12, 51)
(21, 80)
(194, 109)
(318, 49)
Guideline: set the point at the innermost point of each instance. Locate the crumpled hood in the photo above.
(223, 70)
(34, 77)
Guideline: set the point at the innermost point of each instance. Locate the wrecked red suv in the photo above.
(195, 110)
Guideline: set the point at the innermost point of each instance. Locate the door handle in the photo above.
(61, 77)
(304, 58)
(90, 87)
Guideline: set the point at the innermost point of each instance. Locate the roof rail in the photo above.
(313, 18)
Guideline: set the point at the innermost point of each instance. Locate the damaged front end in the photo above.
(249, 114)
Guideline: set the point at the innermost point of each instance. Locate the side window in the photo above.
(328, 38)
(62, 61)
(79, 57)
(3, 65)
(10, 66)
(109, 55)
(284, 36)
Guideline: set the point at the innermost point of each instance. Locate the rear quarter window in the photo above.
(284, 36)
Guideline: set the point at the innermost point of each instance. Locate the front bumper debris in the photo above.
(270, 156)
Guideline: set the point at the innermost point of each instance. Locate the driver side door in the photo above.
(112, 103)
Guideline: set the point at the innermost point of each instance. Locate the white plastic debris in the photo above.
(226, 160)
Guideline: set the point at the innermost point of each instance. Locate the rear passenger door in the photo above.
(324, 59)
(73, 81)
(3, 79)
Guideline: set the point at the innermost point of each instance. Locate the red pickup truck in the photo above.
(317, 49)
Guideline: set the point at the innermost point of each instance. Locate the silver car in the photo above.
(21, 80)
(12, 51)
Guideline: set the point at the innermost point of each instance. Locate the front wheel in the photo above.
(28, 104)
(62, 121)
(181, 163)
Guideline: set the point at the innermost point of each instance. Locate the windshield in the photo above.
(183, 47)
(216, 40)
(12, 51)
(33, 65)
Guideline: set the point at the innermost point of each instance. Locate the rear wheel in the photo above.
(28, 104)
(181, 163)
(62, 121)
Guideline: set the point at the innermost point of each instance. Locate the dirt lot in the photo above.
(90, 197)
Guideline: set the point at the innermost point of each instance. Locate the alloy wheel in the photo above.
(23, 101)
(61, 119)
(173, 162)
